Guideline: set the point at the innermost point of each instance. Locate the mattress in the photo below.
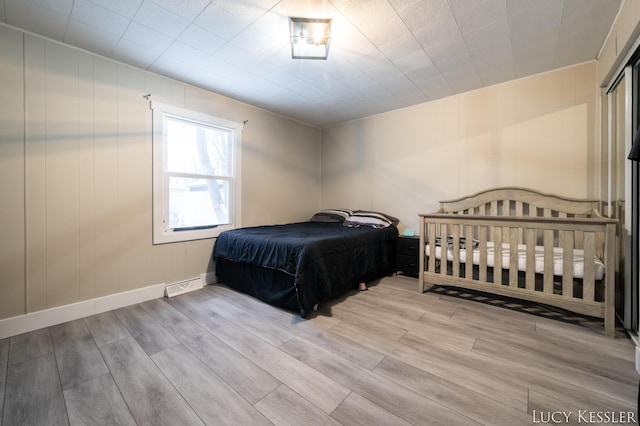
(558, 259)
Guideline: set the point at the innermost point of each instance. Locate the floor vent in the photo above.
(182, 287)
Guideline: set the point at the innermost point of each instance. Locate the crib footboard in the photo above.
(568, 262)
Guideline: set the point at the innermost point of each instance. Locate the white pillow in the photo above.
(372, 219)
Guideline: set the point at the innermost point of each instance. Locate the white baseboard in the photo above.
(48, 317)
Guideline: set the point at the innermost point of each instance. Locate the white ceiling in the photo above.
(385, 54)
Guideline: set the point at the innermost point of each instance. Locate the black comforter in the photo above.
(299, 265)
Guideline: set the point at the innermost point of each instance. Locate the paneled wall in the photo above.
(619, 42)
(12, 167)
(536, 132)
(75, 167)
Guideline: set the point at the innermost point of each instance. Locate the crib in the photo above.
(524, 244)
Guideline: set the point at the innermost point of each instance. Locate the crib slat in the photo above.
(468, 236)
(530, 277)
(567, 263)
(455, 267)
(520, 213)
(431, 267)
(482, 236)
(422, 254)
(547, 281)
(497, 261)
(506, 211)
(610, 280)
(493, 211)
(513, 257)
(588, 278)
(561, 235)
(443, 249)
(600, 241)
(519, 208)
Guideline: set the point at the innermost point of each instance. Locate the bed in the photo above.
(299, 265)
(524, 244)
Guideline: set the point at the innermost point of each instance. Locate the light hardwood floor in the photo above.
(388, 356)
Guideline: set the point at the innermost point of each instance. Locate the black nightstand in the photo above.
(408, 255)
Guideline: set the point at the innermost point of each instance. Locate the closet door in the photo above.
(623, 193)
(633, 287)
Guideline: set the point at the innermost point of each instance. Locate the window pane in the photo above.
(198, 148)
(198, 202)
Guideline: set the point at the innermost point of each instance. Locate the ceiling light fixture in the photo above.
(310, 38)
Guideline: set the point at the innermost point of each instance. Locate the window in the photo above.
(196, 183)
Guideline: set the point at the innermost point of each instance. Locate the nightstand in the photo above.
(408, 255)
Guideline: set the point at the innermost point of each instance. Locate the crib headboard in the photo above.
(521, 202)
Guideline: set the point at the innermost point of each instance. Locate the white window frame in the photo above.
(161, 232)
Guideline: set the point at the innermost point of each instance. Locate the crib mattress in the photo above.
(558, 259)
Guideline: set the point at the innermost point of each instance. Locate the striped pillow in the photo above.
(372, 219)
(331, 215)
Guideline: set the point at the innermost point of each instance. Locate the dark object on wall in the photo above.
(634, 154)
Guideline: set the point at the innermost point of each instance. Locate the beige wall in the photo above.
(75, 161)
(75, 167)
(536, 132)
(622, 36)
(622, 39)
(12, 196)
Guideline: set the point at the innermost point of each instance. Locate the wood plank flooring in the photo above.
(387, 356)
